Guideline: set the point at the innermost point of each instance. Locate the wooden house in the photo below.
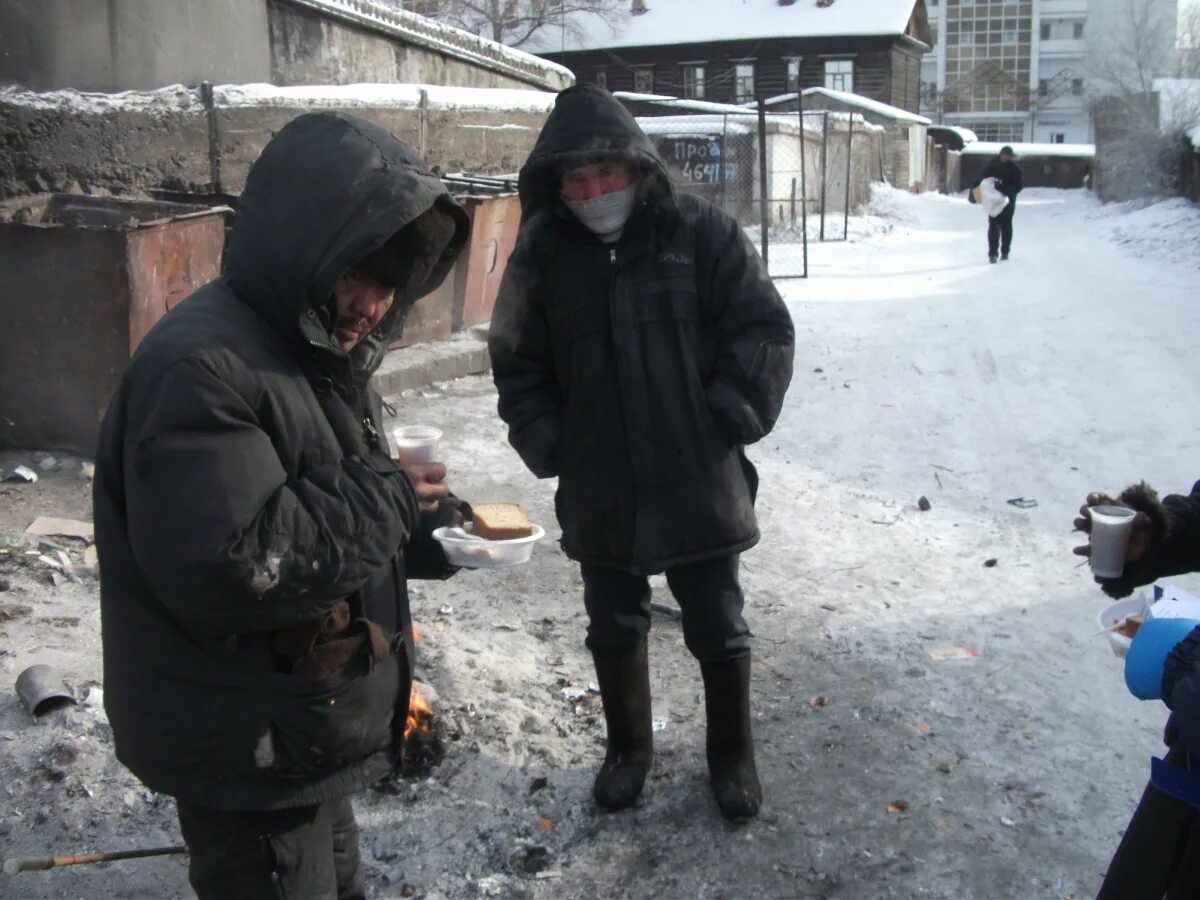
(735, 51)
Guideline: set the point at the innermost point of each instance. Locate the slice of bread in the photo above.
(500, 521)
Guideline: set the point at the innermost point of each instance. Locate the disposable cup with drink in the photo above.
(416, 444)
(1111, 527)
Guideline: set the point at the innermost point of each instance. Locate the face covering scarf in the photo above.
(605, 215)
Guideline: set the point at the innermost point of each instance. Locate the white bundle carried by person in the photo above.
(988, 195)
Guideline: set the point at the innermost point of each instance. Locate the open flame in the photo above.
(420, 715)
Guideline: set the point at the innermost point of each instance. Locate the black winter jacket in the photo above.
(242, 488)
(636, 372)
(1012, 181)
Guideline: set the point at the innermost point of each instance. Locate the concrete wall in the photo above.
(166, 144)
(117, 45)
(123, 45)
(308, 48)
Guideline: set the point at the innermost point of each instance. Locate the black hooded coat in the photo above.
(242, 488)
(637, 371)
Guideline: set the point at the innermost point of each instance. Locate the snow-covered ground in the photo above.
(922, 371)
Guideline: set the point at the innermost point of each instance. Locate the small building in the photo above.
(904, 158)
(1042, 165)
(733, 53)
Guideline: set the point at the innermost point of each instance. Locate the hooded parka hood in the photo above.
(587, 125)
(327, 191)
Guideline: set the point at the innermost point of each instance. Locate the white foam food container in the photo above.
(476, 553)
(1116, 613)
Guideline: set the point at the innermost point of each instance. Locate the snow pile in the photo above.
(992, 148)
(1165, 230)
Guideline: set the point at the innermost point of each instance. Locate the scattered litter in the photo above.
(87, 470)
(818, 370)
(990, 563)
(818, 701)
(536, 859)
(944, 768)
(49, 526)
(898, 806)
(658, 724)
(91, 557)
(22, 473)
(504, 626)
(828, 607)
(548, 874)
(953, 653)
(6, 542)
(49, 464)
(593, 688)
(445, 610)
(538, 783)
(1022, 502)
(5, 585)
(1007, 822)
(545, 824)
(666, 609)
(924, 505)
(920, 727)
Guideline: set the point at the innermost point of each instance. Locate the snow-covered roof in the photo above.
(864, 103)
(992, 148)
(690, 126)
(454, 42)
(683, 103)
(178, 98)
(698, 21)
(966, 134)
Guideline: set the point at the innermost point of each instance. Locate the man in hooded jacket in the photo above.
(254, 533)
(638, 345)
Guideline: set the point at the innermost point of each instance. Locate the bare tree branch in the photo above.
(514, 22)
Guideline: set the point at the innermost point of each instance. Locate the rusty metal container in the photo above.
(468, 294)
(82, 279)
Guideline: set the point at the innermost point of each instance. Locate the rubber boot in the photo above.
(625, 689)
(730, 744)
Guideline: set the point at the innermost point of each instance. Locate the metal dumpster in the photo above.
(82, 279)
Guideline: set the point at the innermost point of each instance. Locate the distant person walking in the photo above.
(1009, 181)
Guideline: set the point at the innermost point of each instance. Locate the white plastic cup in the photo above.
(416, 444)
(1111, 527)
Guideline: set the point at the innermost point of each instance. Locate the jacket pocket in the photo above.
(326, 724)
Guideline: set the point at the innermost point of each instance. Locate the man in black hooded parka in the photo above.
(254, 533)
(638, 345)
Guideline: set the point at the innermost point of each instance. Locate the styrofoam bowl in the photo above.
(1115, 613)
(474, 553)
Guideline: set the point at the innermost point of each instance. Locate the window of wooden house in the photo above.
(839, 75)
(793, 74)
(693, 80)
(743, 82)
(643, 81)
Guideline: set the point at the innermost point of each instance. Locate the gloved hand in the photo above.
(971, 195)
(1149, 526)
(1146, 661)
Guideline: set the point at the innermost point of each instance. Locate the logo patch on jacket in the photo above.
(672, 257)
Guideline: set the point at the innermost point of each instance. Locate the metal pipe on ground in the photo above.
(38, 864)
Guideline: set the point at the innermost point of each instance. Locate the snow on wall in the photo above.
(860, 102)
(178, 98)
(992, 148)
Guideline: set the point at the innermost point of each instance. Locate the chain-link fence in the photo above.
(786, 183)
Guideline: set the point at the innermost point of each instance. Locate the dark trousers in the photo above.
(709, 596)
(1159, 856)
(307, 853)
(1000, 230)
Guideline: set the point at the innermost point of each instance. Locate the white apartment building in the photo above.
(1024, 70)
